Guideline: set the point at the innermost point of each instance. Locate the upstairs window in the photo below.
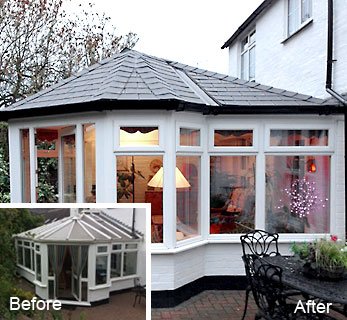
(248, 57)
(299, 11)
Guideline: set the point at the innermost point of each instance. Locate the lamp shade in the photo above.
(157, 180)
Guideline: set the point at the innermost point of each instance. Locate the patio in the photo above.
(214, 304)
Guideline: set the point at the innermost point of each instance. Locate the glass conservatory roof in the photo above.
(87, 226)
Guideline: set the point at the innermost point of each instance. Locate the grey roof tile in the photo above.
(132, 75)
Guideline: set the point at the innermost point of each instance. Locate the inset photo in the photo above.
(73, 263)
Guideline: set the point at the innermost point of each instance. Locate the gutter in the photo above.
(330, 60)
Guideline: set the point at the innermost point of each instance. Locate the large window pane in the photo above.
(138, 136)
(297, 194)
(27, 258)
(38, 267)
(252, 63)
(89, 162)
(20, 255)
(188, 196)
(130, 263)
(116, 260)
(26, 183)
(139, 180)
(233, 138)
(293, 16)
(306, 10)
(47, 164)
(306, 138)
(232, 194)
(101, 270)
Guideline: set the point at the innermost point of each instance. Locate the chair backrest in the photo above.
(137, 282)
(267, 287)
(260, 243)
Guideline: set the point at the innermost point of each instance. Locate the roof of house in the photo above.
(89, 226)
(263, 6)
(133, 80)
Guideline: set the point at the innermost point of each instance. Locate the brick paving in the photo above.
(214, 304)
(210, 304)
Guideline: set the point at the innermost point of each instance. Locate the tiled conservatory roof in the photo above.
(88, 226)
(133, 80)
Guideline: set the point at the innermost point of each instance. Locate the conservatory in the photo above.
(214, 155)
(79, 259)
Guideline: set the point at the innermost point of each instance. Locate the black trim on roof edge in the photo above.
(247, 22)
(175, 105)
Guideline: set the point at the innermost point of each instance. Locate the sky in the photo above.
(187, 31)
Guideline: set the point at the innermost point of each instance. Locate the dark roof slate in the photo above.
(137, 77)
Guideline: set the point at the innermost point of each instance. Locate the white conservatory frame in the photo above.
(206, 251)
(39, 239)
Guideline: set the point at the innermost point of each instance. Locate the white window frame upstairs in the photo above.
(246, 54)
(299, 20)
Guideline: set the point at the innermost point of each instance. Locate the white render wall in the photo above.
(171, 271)
(298, 64)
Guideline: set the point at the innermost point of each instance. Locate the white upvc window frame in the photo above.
(245, 52)
(299, 149)
(38, 253)
(195, 151)
(131, 122)
(120, 251)
(254, 150)
(167, 141)
(50, 121)
(193, 126)
(231, 125)
(108, 271)
(302, 151)
(300, 21)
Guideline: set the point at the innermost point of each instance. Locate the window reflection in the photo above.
(188, 196)
(297, 194)
(290, 138)
(232, 194)
(233, 138)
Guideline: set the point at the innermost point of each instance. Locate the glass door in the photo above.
(68, 174)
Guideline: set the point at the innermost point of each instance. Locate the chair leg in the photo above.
(135, 301)
(248, 290)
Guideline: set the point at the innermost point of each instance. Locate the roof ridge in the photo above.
(158, 76)
(199, 87)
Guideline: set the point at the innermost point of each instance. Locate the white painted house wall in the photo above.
(299, 63)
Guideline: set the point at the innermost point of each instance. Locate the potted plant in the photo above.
(326, 259)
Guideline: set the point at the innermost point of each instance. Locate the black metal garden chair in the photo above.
(269, 292)
(259, 243)
(139, 290)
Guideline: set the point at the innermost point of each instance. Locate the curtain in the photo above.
(56, 255)
(79, 258)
